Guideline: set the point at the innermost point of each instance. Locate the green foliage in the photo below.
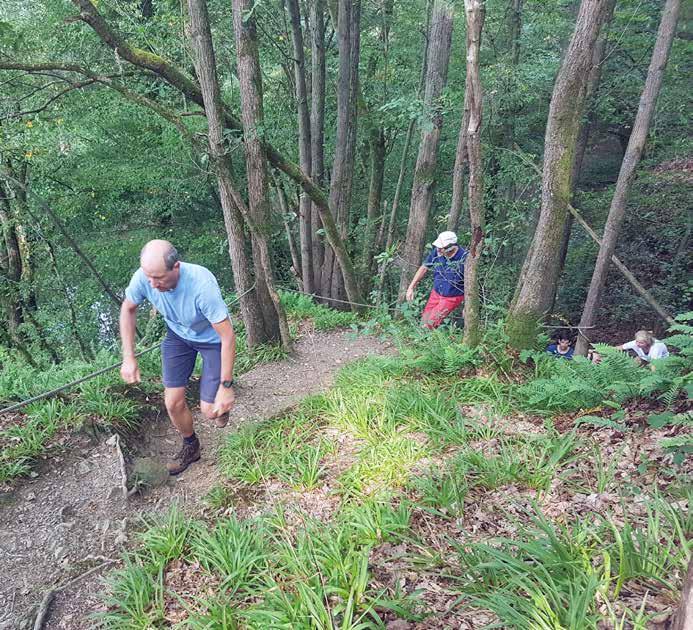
(301, 306)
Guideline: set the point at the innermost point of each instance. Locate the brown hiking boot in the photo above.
(187, 455)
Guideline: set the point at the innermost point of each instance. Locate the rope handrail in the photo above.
(88, 377)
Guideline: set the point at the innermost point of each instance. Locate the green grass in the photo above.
(300, 307)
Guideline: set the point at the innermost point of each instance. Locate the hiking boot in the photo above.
(187, 455)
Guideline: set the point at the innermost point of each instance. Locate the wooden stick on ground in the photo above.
(48, 598)
(123, 470)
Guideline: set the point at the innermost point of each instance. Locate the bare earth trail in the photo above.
(73, 517)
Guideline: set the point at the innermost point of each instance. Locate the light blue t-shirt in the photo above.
(190, 308)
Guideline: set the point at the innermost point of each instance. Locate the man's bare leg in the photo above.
(178, 410)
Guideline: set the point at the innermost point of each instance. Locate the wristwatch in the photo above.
(227, 384)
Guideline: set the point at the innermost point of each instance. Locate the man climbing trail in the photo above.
(446, 259)
(197, 320)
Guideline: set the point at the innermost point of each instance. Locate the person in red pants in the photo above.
(446, 260)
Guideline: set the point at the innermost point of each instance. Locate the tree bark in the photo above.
(631, 159)
(250, 80)
(375, 195)
(317, 128)
(205, 66)
(304, 146)
(458, 172)
(563, 125)
(345, 141)
(440, 38)
(475, 13)
(583, 137)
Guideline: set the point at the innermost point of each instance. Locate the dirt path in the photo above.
(73, 517)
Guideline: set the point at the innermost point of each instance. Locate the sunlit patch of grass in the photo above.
(233, 550)
(376, 519)
(382, 465)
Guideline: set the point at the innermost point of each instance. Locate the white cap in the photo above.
(445, 239)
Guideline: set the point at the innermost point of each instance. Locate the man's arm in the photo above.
(420, 273)
(129, 369)
(225, 395)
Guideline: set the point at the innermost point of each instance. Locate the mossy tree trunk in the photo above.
(438, 58)
(631, 159)
(563, 126)
(474, 12)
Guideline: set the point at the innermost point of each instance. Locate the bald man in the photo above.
(197, 321)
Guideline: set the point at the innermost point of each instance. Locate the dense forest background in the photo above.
(103, 149)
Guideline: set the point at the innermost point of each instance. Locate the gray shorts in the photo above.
(178, 357)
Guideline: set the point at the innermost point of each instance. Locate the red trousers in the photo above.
(438, 308)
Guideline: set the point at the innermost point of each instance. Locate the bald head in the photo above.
(159, 255)
(160, 262)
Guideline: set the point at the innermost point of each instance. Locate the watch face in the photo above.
(227, 384)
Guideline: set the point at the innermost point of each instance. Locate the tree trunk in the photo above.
(317, 128)
(84, 349)
(563, 125)
(458, 171)
(250, 80)
(375, 195)
(474, 11)
(636, 144)
(304, 146)
(345, 142)
(440, 38)
(583, 137)
(205, 65)
(392, 222)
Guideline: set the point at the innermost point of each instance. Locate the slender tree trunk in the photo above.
(563, 126)
(440, 37)
(286, 212)
(683, 618)
(475, 13)
(631, 159)
(84, 349)
(392, 221)
(345, 142)
(250, 79)
(458, 171)
(304, 146)
(317, 128)
(375, 195)
(205, 64)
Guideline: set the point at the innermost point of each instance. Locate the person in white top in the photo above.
(646, 347)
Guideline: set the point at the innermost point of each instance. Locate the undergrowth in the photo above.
(404, 452)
